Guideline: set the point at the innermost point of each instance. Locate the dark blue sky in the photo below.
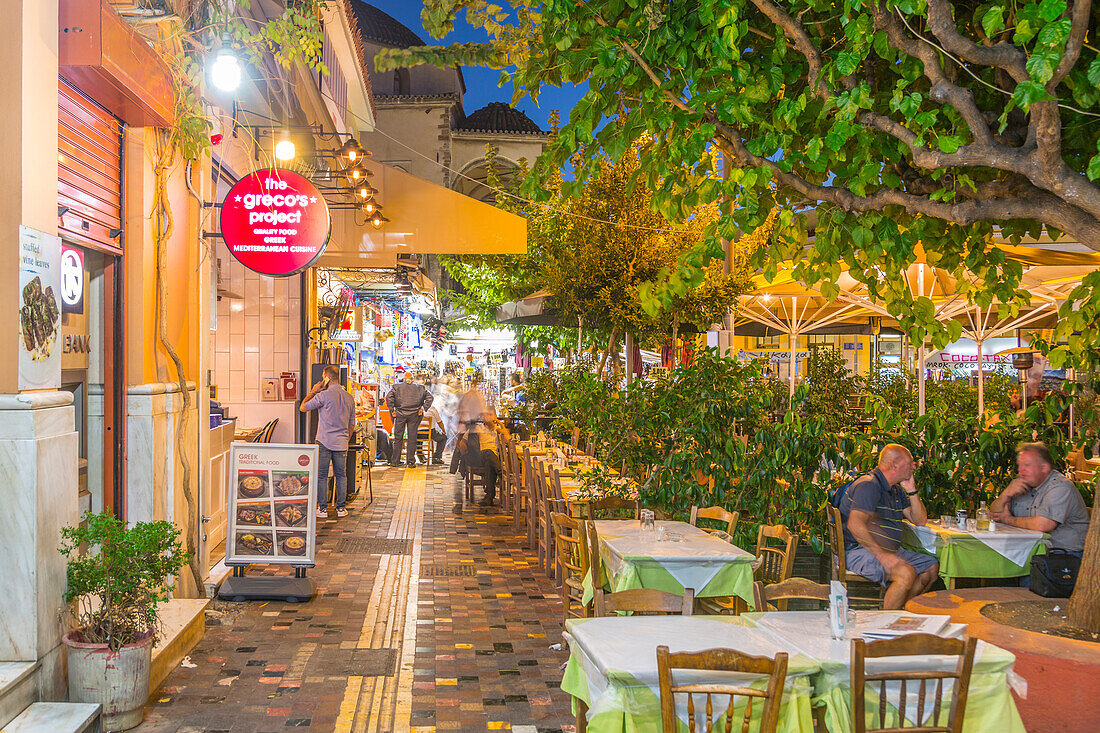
(481, 84)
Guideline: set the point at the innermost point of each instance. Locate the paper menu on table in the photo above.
(901, 625)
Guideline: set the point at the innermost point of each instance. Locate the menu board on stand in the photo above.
(271, 520)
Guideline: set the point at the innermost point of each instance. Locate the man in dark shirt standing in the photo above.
(407, 402)
(335, 423)
(873, 507)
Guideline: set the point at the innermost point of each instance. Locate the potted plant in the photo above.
(117, 576)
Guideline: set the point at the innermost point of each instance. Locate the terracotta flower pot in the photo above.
(119, 680)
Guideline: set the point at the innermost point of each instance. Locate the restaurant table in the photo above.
(634, 558)
(612, 670)
(1003, 553)
(247, 434)
(990, 707)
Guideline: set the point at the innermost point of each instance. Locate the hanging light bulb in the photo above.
(225, 72)
(356, 174)
(365, 191)
(350, 151)
(284, 149)
(376, 220)
(369, 207)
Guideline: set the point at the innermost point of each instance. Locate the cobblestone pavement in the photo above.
(429, 616)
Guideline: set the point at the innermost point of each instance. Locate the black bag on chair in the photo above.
(1054, 574)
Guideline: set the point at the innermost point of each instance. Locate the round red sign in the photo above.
(275, 222)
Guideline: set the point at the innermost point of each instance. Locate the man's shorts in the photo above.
(861, 561)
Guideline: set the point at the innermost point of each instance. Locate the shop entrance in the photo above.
(89, 198)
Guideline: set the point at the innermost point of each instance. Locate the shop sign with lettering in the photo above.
(72, 280)
(275, 222)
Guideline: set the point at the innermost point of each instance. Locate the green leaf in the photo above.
(1094, 72)
(1051, 9)
(948, 143)
(1028, 93)
(847, 62)
(1093, 171)
(993, 22)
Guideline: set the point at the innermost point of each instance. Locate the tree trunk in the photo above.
(1084, 604)
(610, 343)
(675, 339)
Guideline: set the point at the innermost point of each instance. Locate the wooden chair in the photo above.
(786, 590)
(643, 602)
(725, 660)
(613, 507)
(520, 499)
(776, 564)
(571, 541)
(920, 646)
(838, 568)
(528, 479)
(541, 515)
(714, 513)
(590, 449)
(575, 441)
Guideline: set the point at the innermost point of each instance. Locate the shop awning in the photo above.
(534, 310)
(424, 218)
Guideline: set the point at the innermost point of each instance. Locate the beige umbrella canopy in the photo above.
(1048, 276)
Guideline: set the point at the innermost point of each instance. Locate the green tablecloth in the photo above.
(962, 555)
(990, 707)
(711, 566)
(612, 668)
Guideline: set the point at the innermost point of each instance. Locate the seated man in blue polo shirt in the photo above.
(873, 507)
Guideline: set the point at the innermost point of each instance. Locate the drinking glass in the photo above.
(660, 533)
(945, 520)
(972, 525)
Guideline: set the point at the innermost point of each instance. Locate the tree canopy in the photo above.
(592, 252)
(908, 125)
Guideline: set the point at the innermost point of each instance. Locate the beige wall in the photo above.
(28, 149)
(425, 128)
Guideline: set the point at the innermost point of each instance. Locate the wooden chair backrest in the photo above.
(834, 525)
(725, 660)
(612, 507)
(554, 486)
(644, 602)
(919, 646)
(590, 449)
(575, 441)
(571, 539)
(776, 563)
(714, 513)
(595, 563)
(790, 589)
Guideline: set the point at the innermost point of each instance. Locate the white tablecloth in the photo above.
(807, 633)
(693, 561)
(1012, 543)
(618, 658)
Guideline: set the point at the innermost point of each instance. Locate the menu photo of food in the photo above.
(290, 483)
(291, 513)
(255, 513)
(291, 543)
(252, 484)
(255, 543)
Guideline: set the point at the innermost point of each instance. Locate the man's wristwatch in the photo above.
(912, 493)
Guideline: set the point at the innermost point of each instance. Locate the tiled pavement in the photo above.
(475, 656)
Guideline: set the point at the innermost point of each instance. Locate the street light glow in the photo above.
(284, 149)
(225, 72)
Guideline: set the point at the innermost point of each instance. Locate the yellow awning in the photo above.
(424, 218)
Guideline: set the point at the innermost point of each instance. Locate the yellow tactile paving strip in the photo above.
(383, 704)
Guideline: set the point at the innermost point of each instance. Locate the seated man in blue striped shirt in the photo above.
(873, 508)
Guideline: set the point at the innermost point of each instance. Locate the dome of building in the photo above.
(375, 25)
(499, 117)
